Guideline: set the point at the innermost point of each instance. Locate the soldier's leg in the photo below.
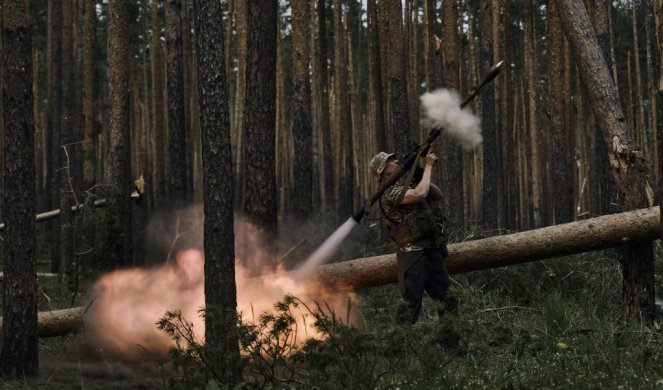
(437, 284)
(412, 285)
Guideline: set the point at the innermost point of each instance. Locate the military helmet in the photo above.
(379, 162)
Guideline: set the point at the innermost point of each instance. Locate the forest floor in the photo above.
(70, 362)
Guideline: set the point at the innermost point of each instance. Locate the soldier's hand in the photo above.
(431, 158)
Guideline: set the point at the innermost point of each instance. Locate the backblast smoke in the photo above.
(442, 110)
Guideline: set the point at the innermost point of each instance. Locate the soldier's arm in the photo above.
(420, 192)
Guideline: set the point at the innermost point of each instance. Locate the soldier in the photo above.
(418, 227)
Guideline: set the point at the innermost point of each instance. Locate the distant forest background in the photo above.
(347, 84)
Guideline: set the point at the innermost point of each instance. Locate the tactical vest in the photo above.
(419, 224)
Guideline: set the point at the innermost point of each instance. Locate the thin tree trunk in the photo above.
(55, 127)
(562, 177)
(178, 174)
(67, 175)
(160, 137)
(239, 126)
(531, 86)
(451, 154)
(118, 170)
(88, 93)
(489, 199)
(326, 167)
(301, 112)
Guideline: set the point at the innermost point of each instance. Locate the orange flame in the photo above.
(128, 303)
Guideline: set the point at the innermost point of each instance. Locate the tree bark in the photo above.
(301, 112)
(177, 173)
(89, 16)
(260, 116)
(59, 322)
(531, 86)
(118, 170)
(19, 354)
(451, 154)
(160, 138)
(220, 290)
(562, 183)
(491, 161)
(628, 165)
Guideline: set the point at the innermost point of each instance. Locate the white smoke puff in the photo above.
(442, 108)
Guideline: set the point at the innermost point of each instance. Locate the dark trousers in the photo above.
(420, 271)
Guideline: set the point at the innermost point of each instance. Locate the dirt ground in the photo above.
(70, 362)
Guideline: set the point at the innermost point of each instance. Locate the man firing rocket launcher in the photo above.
(416, 223)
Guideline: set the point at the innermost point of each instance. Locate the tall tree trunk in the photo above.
(375, 77)
(510, 178)
(89, 33)
(343, 127)
(54, 126)
(177, 151)
(640, 105)
(326, 164)
(239, 127)
(19, 355)
(451, 154)
(658, 23)
(431, 48)
(629, 168)
(260, 116)
(599, 11)
(187, 91)
(399, 116)
(562, 173)
(489, 201)
(68, 195)
(220, 291)
(118, 169)
(532, 115)
(301, 111)
(160, 137)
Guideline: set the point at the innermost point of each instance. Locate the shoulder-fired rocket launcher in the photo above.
(420, 150)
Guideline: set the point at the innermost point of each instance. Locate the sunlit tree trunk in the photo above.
(628, 166)
(239, 126)
(19, 355)
(532, 125)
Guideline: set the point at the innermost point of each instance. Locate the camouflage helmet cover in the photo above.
(379, 162)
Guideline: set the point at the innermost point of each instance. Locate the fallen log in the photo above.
(576, 237)
(59, 322)
(45, 216)
(607, 231)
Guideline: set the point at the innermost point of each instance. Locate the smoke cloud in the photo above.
(442, 109)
